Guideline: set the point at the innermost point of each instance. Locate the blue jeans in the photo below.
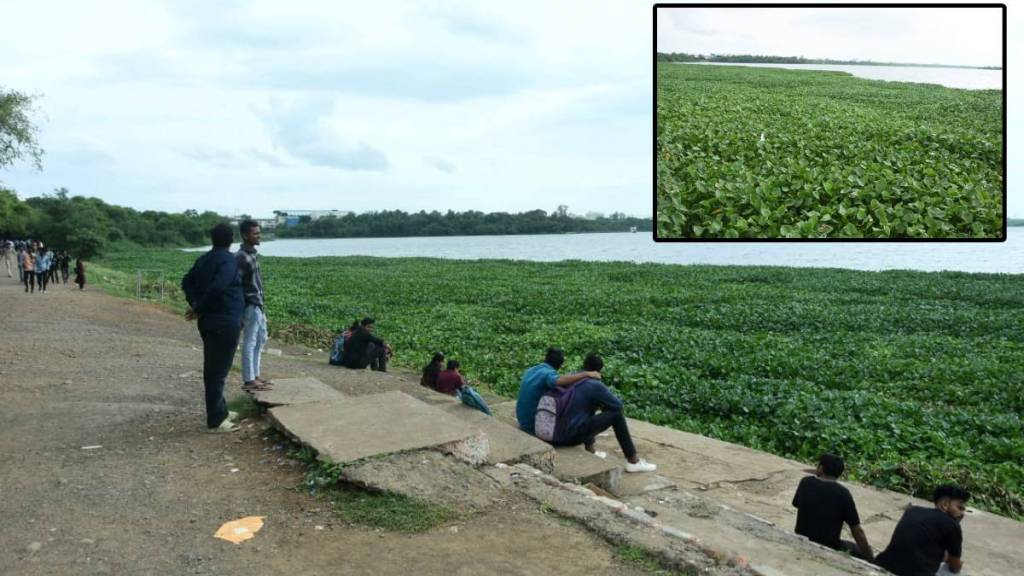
(254, 336)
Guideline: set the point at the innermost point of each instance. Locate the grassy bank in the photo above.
(747, 152)
(916, 378)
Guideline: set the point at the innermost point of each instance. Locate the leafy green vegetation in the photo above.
(748, 152)
(244, 404)
(915, 378)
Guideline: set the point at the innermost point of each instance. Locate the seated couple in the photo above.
(451, 382)
(583, 407)
(358, 348)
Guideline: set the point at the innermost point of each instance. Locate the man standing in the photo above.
(213, 288)
(925, 537)
(254, 318)
(823, 505)
(539, 379)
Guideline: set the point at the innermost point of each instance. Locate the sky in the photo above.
(254, 106)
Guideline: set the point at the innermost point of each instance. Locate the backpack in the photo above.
(336, 350)
(552, 413)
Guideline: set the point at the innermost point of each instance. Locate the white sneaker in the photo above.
(226, 426)
(641, 466)
(600, 454)
(233, 416)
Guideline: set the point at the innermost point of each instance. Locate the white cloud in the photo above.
(354, 105)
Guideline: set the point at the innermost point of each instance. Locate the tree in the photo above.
(17, 133)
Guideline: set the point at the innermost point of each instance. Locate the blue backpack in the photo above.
(552, 413)
(336, 350)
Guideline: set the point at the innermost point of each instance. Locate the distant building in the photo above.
(289, 218)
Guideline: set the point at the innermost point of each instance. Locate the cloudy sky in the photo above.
(251, 106)
(956, 36)
(259, 105)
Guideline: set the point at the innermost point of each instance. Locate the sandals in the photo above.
(257, 386)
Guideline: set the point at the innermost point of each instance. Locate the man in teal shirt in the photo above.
(538, 380)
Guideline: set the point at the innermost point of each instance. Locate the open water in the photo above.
(1005, 257)
(971, 78)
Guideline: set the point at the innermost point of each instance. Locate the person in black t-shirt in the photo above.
(823, 505)
(925, 537)
(364, 349)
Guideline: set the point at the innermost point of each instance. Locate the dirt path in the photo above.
(83, 369)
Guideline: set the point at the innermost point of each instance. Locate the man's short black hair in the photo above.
(832, 465)
(952, 492)
(367, 321)
(222, 235)
(593, 362)
(453, 364)
(554, 358)
(246, 225)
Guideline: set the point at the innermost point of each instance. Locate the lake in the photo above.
(971, 78)
(1006, 257)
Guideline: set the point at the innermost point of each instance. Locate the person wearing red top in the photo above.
(449, 381)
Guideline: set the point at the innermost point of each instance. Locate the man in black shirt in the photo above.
(925, 537)
(823, 504)
(364, 349)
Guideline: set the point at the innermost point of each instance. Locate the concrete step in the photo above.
(574, 464)
(288, 391)
(508, 444)
(357, 427)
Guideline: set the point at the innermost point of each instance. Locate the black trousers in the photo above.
(376, 357)
(41, 279)
(598, 423)
(29, 278)
(219, 346)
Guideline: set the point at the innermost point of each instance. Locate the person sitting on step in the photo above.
(823, 505)
(584, 422)
(364, 349)
(924, 538)
(431, 370)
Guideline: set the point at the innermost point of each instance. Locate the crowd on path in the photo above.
(38, 266)
(225, 294)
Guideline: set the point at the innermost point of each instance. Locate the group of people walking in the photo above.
(38, 266)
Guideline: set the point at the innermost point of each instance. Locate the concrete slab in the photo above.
(508, 444)
(642, 483)
(296, 391)
(762, 484)
(574, 464)
(358, 427)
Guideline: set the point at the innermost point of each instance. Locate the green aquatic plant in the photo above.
(746, 152)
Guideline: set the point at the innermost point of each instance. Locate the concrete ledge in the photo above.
(296, 391)
(508, 443)
(354, 428)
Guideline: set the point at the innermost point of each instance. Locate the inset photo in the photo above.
(830, 123)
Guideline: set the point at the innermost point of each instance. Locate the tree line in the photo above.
(85, 226)
(760, 59)
(396, 223)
